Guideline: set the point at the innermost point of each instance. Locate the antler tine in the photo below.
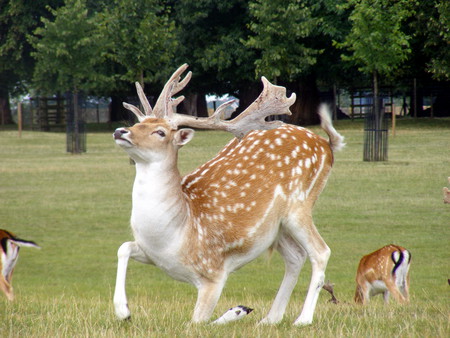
(271, 101)
(143, 99)
(218, 114)
(164, 106)
(135, 110)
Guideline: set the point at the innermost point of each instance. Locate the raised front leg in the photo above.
(126, 250)
(208, 296)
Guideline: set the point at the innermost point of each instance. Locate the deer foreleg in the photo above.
(208, 296)
(294, 258)
(126, 250)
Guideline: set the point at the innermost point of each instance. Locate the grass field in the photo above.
(77, 208)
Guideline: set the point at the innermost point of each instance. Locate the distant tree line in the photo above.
(102, 47)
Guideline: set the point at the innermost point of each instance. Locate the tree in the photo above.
(210, 35)
(378, 46)
(67, 50)
(291, 37)
(17, 20)
(141, 46)
(66, 53)
(141, 38)
(376, 43)
(437, 43)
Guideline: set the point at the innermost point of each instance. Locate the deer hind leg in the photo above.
(394, 290)
(303, 230)
(294, 257)
(208, 295)
(6, 288)
(126, 251)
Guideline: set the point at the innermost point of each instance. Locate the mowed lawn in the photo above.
(77, 208)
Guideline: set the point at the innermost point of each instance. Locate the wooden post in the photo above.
(19, 118)
(393, 119)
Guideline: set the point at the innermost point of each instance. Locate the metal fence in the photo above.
(376, 137)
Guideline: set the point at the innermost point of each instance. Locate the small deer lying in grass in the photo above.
(384, 271)
(257, 193)
(10, 246)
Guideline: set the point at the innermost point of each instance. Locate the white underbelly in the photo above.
(377, 287)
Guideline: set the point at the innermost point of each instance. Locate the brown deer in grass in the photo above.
(446, 192)
(384, 271)
(9, 248)
(256, 194)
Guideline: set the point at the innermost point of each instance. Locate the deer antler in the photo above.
(330, 288)
(271, 101)
(164, 105)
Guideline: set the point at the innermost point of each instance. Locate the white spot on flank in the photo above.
(278, 142)
(302, 196)
(307, 163)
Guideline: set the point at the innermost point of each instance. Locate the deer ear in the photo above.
(183, 136)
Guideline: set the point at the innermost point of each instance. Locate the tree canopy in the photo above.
(67, 50)
(102, 47)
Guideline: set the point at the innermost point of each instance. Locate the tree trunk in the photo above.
(247, 95)
(76, 121)
(304, 110)
(5, 109)
(194, 104)
(117, 112)
(202, 108)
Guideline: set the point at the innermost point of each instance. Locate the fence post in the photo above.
(19, 118)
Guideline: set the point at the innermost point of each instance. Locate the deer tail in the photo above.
(336, 140)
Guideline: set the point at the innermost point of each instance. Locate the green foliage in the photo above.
(281, 31)
(17, 20)
(67, 49)
(376, 41)
(141, 38)
(437, 43)
(210, 35)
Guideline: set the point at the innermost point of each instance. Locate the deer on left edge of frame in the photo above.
(256, 194)
(10, 245)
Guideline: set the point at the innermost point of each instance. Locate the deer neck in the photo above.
(158, 201)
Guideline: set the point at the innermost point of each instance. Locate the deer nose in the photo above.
(119, 133)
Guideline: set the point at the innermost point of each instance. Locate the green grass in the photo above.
(77, 208)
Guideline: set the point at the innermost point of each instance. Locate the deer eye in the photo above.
(160, 133)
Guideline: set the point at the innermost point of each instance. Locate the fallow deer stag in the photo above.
(384, 271)
(9, 248)
(256, 194)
